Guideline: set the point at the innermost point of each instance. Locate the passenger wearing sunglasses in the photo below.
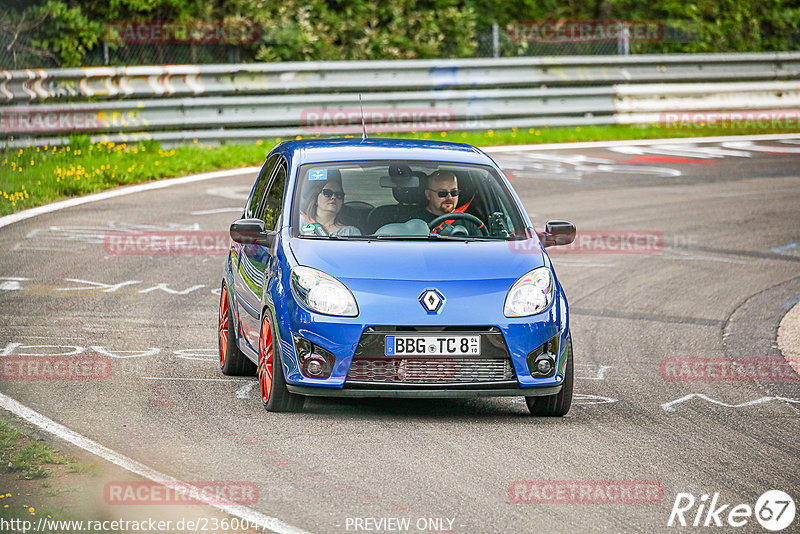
(324, 208)
(442, 195)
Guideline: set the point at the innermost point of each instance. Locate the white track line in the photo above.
(121, 191)
(638, 142)
(176, 378)
(129, 464)
(670, 406)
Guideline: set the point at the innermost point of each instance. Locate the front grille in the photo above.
(431, 370)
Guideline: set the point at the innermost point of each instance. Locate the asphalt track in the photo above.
(729, 214)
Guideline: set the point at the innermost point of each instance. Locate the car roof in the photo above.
(356, 149)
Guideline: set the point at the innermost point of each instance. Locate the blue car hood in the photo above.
(419, 261)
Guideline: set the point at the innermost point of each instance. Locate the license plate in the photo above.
(433, 345)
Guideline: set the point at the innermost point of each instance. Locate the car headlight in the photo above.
(531, 294)
(323, 293)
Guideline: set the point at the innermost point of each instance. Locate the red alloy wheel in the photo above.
(223, 327)
(265, 361)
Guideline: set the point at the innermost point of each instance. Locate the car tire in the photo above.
(231, 360)
(274, 395)
(555, 405)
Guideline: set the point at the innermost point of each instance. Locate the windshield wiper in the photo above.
(383, 237)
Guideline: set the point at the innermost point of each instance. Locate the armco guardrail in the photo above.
(231, 103)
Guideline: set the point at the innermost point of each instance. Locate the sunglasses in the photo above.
(331, 193)
(443, 194)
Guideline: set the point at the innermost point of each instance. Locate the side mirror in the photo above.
(252, 232)
(557, 233)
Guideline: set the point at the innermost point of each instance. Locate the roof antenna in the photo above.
(363, 125)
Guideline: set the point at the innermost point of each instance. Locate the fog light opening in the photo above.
(541, 364)
(315, 362)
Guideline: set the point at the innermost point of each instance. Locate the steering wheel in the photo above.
(458, 215)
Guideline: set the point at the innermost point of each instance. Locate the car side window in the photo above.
(270, 208)
(252, 210)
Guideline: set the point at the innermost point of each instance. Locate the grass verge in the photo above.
(35, 176)
(26, 466)
(29, 459)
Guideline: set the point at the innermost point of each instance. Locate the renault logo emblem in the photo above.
(431, 300)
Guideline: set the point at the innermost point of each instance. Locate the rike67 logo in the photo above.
(774, 510)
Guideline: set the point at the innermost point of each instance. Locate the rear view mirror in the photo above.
(557, 233)
(252, 232)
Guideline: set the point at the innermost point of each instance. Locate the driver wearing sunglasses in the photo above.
(442, 195)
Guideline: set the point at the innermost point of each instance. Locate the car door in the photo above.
(239, 277)
(255, 261)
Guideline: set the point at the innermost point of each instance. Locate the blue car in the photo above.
(393, 268)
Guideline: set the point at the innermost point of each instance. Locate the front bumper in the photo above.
(352, 339)
(509, 389)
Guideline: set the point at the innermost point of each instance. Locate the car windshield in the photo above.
(403, 200)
